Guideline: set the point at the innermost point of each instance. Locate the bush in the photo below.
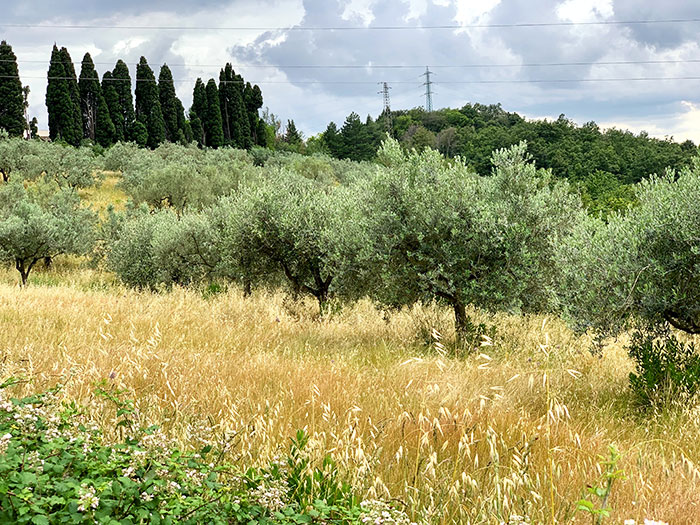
(666, 370)
(56, 466)
(641, 267)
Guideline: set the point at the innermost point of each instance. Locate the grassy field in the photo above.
(514, 429)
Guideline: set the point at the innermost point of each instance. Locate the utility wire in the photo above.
(389, 66)
(343, 82)
(362, 28)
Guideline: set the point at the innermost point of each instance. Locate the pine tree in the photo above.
(111, 98)
(332, 139)
(212, 123)
(74, 91)
(59, 104)
(173, 114)
(292, 135)
(123, 122)
(198, 112)
(11, 94)
(148, 110)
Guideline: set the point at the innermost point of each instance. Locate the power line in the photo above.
(341, 82)
(391, 66)
(361, 28)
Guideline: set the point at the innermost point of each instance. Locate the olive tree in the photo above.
(68, 166)
(643, 266)
(437, 231)
(289, 227)
(16, 154)
(149, 250)
(39, 222)
(180, 177)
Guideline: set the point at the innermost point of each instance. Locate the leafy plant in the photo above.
(56, 466)
(666, 369)
(596, 504)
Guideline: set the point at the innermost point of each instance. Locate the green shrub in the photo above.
(666, 370)
(56, 466)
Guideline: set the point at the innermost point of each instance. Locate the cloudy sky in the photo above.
(289, 34)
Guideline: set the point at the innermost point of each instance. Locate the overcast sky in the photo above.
(313, 97)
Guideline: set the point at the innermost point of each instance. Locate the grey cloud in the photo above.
(662, 36)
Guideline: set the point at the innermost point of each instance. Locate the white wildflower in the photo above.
(88, 499)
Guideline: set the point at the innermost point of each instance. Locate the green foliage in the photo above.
(292, 136)
(643, 266)
(39, 222)
(56, 466)
(32, 160)
(65, 121)
(97, 124)
(570, 151)
(211, 122)
(11, 98)
(183, 177)
(198, 112)
(439, 232)
(667, 371)
(299, 231)
(121, 109)
(611, 474)
(138, 132)
(355, 141)
(173, 112)
(161, 249)
(74, 92)
(235, 123)
(603, 194)
(253, 101)
(148, 110)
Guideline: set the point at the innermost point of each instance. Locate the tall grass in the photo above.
(512, 430)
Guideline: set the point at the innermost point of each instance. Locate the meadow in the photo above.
(433, 332)
(519, 427)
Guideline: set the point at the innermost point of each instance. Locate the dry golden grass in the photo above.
(105, 192)
(514, 431)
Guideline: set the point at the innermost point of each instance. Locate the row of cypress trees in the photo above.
(105, 112)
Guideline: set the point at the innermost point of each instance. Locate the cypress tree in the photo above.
(212, 123)
(125, 102)
(74, 91)
(261, 134)
(243, 139)
(34, 128)
(253, 102)
(104, 128)
(90, 93)
(59, 103)
(198, 112)
(227, 99)
(148, 110)
(111, 98)
(11, 93)
(173, 113)
(184, 132)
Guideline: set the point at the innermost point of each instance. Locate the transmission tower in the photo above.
(428, 90)
(387, 105)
